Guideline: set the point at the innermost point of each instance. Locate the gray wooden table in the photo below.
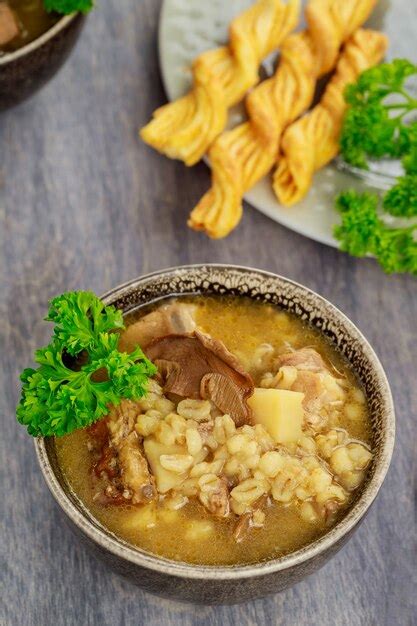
(85, 205)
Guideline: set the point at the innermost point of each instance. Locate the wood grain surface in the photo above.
(85, 205)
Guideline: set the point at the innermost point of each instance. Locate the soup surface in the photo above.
(212, 488)
(22, 21)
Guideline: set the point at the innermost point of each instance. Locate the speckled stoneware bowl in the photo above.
(26, 70)
(230, 584)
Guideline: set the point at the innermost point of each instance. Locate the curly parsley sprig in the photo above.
(379, 123)
(65, 393)
(363, 232)
(379, 106)
(66, 7)
(401, 199)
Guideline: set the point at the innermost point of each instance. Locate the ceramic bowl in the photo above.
(230, 584)
(26, 70)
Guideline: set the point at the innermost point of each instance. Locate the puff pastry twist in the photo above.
(185, 128)
(312, 141)
(242, 156)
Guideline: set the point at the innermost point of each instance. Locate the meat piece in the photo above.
(311, 386)
(313, 378)
(245, 522)
(107, 463)
(174, 318)
(243, 527)
(216, 500)
(304, 359)
(121, 421)
(197, 366)
(134, 471)
(98, 436)
(9, 27)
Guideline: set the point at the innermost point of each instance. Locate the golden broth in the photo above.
(242, 325)
(33, 21)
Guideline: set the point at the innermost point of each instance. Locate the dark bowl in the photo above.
(26, 70)
(230, 584)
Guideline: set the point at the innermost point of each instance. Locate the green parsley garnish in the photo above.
(66, 7)
(401, 199)
(376, 126)
(373, 125)
(363, 232)
(66, 391)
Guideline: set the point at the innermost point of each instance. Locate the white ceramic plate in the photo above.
(188, 27)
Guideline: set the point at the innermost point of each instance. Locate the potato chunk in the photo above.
(280, 412)
(140, 519)
(165, 479)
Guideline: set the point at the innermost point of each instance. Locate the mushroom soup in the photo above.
(250, 443)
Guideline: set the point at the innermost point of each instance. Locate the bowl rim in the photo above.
(120, 548)
(62, 23)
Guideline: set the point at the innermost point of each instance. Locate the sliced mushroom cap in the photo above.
(176, 317)
(197, 366)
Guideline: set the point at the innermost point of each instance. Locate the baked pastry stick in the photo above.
(312, 141)
(241, 157)
(185, 128)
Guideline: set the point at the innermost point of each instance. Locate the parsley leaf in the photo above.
(79, 318)
(359, 222)
(68, 6)
(396, 250)
(374, 126)
(363, 232)
(410, 159)
(57, 398)
(401, 199)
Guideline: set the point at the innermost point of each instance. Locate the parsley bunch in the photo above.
(363, 232)
(401, 199)
(376, 125)
(372, 126)
(66, 7)
(65, 393)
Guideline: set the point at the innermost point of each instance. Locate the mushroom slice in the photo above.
(197, 366)
(176, 317)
